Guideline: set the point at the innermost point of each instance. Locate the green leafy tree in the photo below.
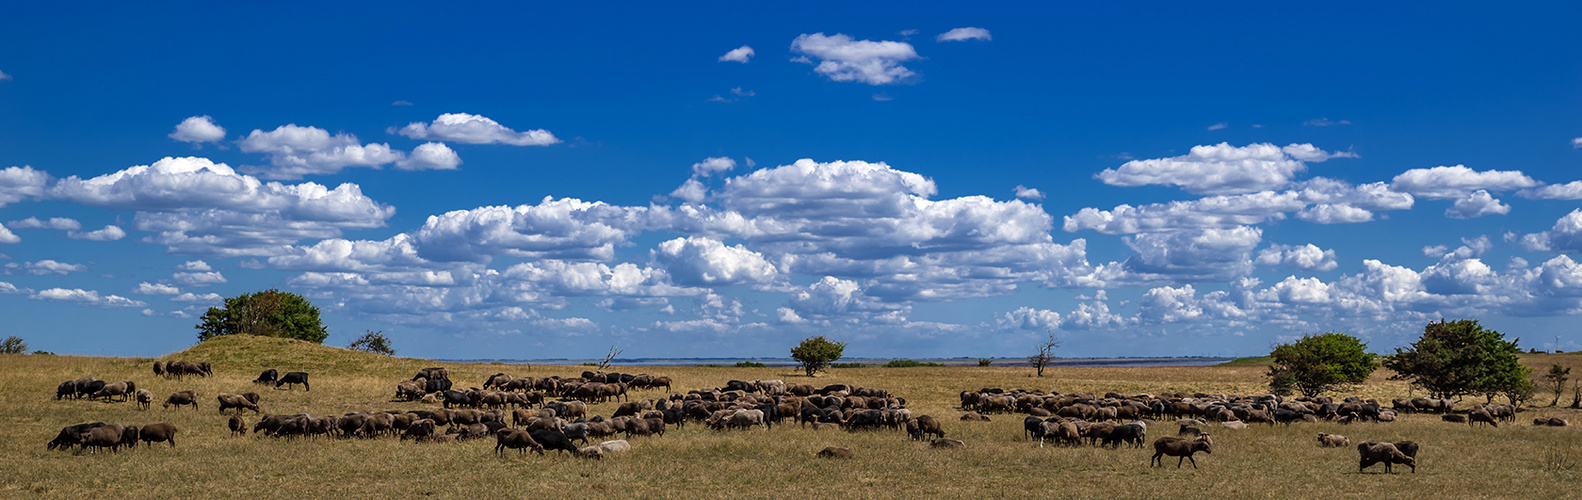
(269, 313)
(815, 354)
(1319, 363)
(374, 342)
(1459, 358)
(13, 345)
(1555, 380)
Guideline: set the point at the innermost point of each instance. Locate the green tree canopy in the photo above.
(269, 313)
(374, 342)
(815, 354)
(1319, 363)
(1458, 358)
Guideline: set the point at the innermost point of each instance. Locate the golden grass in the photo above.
(1515, 460)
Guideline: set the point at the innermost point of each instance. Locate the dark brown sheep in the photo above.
(1372, 452)
(835, 452)
(1177, 447)
(237, 425)
(162, 431)
(924, 425)
(517, 439)
(419, 430)
(973, 416)
(182, 398)
(100, 438)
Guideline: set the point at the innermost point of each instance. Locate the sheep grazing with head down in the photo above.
(835, 452)
(1372, 452)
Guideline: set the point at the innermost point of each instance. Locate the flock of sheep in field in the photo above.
(552, 413)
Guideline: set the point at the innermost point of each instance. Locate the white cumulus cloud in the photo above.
(1477, 204)
(1028, 193)
(194, 265)
(57, 223)
(109, 233)
(199, 278)
(1458, 181)
(295, 151)
(1307, 257)
(708, 262)
(740, 54)
(713, 165)
(1221, 168)
(843, 59)
(963, 34)
(198, 130)
(146, 288)
(430, 156)
(88, 297)
(475, 129)
(21, 183)
(8, 237)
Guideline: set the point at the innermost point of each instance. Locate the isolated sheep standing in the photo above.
(1372, 452)
(1177, 447)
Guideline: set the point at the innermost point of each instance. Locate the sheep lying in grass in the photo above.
(1550, 422)
(973, 416)
(1372, 452)
(1333, 440)
(1177, 447)
(948, 443)
(835, 452)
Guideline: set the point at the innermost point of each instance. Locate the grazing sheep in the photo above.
(67, 389)
(517, 439)
(1480, 415)
(1134, 433)
(834, 452)
(228, 401)
(947, 443)
(591, 452)
(145, 398)
(237, 425)
(973, 416)
(422, 429)
(1453, 418)
(100, 438)
(1372, 452)
(182, 398)
(924, 426)
(115, 389)
(292, 378)
(1189, 431)
(1177, 447)
(1233, 424)
(268, 377)
(162, 431)
(1333, 440)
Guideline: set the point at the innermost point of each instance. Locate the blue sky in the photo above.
(922, 180)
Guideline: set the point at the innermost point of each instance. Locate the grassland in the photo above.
(1515, 460)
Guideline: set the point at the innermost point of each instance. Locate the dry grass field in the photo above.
(1513, 461)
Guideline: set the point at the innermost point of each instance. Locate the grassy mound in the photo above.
(261, 353)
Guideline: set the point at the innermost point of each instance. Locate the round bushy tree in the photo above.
(1458, 358)
(269, 313)
(815, 354)
(1319, 363)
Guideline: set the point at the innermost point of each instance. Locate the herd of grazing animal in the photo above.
(552, 414)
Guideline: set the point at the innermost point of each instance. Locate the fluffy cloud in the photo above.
(21, 183)
(109, 233)
(47, 266)
(825, 190)
(9, 289)
(1307, 257)
(708, 262)
(832, 299)
(1221, 168)
(430, 156)
(963, 34)
(564, 228)
(297, 151)
(1458, 181)
(1334, 213)
(1027, 318)
(711, 166)
(845, 60)
(194, 265)
(1477, 204)
(1564, 237)
(1568, 191)
(1576, 143)
(8, 237)
(1202, 255)
(740, 54)
(474, 129)
(201, 207)
(1319, 200)
(4, 76)
(198, 130)
(57, 223)
(1028, 193)
(88, 297)
(199, 279)
(207, 298)
(146, 288)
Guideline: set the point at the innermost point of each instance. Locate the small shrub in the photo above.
(749, 364)
(845, 365)
(13, 345)
(1557, 460)
(374, 342)
(985, 361)
(908, 363)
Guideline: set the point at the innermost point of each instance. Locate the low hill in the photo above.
(250, 351)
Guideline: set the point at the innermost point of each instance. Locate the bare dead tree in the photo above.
(1045, 355)
(615, 350)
